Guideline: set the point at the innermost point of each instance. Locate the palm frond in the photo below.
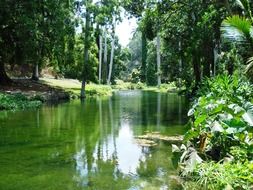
(237, 28)
(249, 65)
(243, 4)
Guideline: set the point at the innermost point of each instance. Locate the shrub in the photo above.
(17, 101)
(220, 129)
(214, 176)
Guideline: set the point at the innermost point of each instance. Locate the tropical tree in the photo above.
(238, 29)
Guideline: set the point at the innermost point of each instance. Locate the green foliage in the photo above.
(121, 85)
(230, 62)
(222, 116)
(98, 90)
(135, 76)
(17, 101)
(213, 176)
(220, 130)
(36, 32)
(237, 27)
(151, 65)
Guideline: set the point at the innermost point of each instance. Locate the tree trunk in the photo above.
(105, 59)
(35, 75)
(100, 57)
(180, 63)
(86, 53)
(4, 79)
(196, 68)
(215, 53)
(208, 53)
(158, 60)
(112, 55)
(144, 58)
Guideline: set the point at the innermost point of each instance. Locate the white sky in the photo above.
(125, 29)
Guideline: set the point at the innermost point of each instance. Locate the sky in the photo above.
(125, 29)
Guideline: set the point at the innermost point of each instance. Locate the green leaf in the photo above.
(217, 127)
(190, 112)
(237, 28)
(248, 118)
(200, 119)
(192, 160)
(175, 148)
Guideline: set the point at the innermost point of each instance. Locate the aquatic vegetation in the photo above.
(156, 136)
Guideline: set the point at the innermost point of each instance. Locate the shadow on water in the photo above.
(91, 145)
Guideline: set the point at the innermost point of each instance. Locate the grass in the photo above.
(213, 176)
(121, 85)
(74, 87)
(17, 102)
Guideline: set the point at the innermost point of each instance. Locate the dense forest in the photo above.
(201, 47)
(174, 40)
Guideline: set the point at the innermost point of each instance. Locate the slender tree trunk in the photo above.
(180, 63)
(158, 60)
(105, 58)
(100, 57)
(41, 49)
(215, 52)
(4, 79)
(208, 53)
(35, 75)
(112, 55)
(196, 68)
(86, 53)
(144, 58)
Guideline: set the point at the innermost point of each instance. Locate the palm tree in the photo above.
(240, 29)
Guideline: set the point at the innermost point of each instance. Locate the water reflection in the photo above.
(119, 121)
(92, 142)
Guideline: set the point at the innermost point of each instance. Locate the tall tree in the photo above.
(86, 46)
(112, 53)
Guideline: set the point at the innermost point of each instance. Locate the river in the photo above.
(90, 144)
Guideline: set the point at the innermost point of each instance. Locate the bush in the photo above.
(121, 85)
(214, 176)
(17, 101)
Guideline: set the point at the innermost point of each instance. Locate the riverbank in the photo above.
(23, 92)
(17, 101)
(74, 86)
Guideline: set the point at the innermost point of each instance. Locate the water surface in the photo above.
(90, 144)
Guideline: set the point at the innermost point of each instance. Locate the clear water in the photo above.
(90, 145)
